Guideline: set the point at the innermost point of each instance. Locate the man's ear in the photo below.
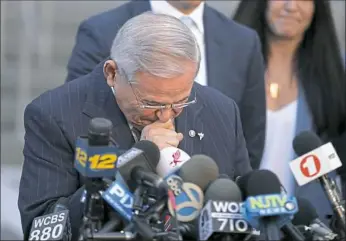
(110, 71)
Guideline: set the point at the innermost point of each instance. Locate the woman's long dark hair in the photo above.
(319, 59)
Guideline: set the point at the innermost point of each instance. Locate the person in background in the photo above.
(305, 84)
(231, 59)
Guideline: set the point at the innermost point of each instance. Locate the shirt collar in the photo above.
(164, 7)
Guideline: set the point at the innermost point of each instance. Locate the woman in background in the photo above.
(305, 84)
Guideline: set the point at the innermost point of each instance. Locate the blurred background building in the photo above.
(36, 40)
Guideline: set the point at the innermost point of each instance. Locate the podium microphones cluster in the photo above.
(147, 194)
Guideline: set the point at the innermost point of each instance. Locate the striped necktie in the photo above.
(136, 134)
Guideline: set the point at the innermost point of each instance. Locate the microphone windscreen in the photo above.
(224, 176)
(100, 126)
(171, 159)
(259, 182)
(305, 142)
(200, 170)
(151, 152)
(223, 189)
(306, 214)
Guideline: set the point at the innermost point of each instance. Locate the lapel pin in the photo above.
(192, 133)
(201, 135)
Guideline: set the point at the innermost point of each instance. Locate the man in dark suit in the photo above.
(231, 60)
(147, 90)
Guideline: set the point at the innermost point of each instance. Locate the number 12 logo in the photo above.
(310, 166)
(97, 162)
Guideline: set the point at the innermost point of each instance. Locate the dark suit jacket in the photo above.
(54, 120)
(233, 55)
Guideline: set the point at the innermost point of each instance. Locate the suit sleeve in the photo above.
(253, 106)
(88, 51)
(48, 173)
(242, 162)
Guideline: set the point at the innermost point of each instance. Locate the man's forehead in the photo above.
(152, 83)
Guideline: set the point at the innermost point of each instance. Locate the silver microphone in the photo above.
(334, 196)
(321, 231)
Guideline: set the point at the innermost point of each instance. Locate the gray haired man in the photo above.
(231, 58)
(147, 90)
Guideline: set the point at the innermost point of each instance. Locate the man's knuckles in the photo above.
(161, 132)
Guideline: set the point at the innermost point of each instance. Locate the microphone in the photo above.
(315, 161)
(120, 199)
(308, 218)
(223, 189)
(265, 206)
(200, 169)
(139, 163)
(53, 226)
(171, 159)
(95, 159)
(123, 202)
(187, 185)
(95, 156)
(222, 214)
(114, 223)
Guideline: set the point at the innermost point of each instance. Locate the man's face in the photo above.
(148, 90)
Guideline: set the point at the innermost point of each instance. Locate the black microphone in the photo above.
(114, 223)
(200, 170)
(95, 159)
(222, 216)
(308, 141)
(135, 168)
(308, 218)
(53, 226)
(260, 183)
(186, 195)
(187, 185)
(139, 163)
(292, 232)
(58, 207)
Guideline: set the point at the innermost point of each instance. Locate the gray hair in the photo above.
(154, 43)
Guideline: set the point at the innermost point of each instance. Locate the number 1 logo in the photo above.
(310, 166)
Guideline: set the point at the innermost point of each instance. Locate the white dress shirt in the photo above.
(278, 150)
(196, 26)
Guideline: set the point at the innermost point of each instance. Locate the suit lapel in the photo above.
(189, 121)
(214, 47)
(101, 103)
